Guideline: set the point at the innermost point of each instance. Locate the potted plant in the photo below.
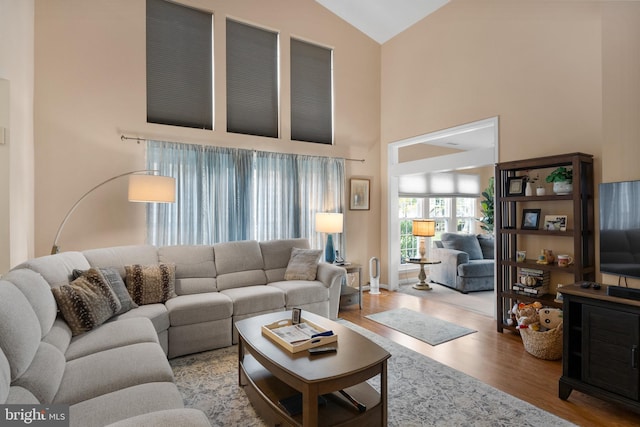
(562, 179)
(486, 207)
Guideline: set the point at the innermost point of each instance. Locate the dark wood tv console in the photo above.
(601, 346)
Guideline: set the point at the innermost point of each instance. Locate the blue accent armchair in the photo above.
(467, 262)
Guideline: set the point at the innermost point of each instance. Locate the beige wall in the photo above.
(90, 88)
(562, 77)
(16, 114)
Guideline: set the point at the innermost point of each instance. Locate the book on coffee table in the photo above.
(293, 404)
(299, 337)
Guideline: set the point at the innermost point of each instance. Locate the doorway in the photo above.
(466, 146)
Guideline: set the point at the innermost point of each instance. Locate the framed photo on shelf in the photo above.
(516, 185)
(359, 194)
(530, 219)
(555, 222)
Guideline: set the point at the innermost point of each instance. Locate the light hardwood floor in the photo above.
(498, 359)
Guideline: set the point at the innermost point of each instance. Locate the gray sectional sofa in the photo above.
(467, 262)
(117, 373)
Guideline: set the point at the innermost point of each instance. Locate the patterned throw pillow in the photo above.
(117, 284)
(151, 284)
(303, 264)
(87, 302)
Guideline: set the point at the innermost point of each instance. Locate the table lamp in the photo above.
(423, 228)
(329, 223)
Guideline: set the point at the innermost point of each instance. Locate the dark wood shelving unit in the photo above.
(509, 235)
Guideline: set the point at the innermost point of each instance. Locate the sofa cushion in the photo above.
(190, 261)
(463, 242)
(20, 332)
(150, 284)
(111, 335)
(120, 256)
(37, 291)
(303, 264)
(276, 253)
(301, 292)
(21, 396)
(114, 369)
(115, 406)
(487, 244)
(57, 269)
(43, 376)
(195, 268)
(477, 268)
(255, 299)
(232, 257)
(157, 313)
(87, 302)
(185, 417)
(5, 377)
(117, 284)
(60, 334)
(189, 309)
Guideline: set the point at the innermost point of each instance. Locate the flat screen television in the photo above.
(620, 228)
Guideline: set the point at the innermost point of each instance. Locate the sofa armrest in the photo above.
(167, 418)
(331, 276)
(447, 271)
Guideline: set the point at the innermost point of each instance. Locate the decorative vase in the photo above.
(562, 187)
(540, 191)
(527, 190)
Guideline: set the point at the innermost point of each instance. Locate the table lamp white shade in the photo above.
(327, 222)
(152, 189)
(423, 228)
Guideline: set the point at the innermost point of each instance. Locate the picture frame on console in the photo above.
(359, 194)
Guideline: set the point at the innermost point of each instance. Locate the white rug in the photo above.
(482, 302)
(426, 328)
(421, 391)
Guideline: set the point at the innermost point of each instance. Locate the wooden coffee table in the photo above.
(269, 373)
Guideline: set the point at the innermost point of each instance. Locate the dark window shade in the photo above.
(311, 94)
(252, 80)
(179, 65)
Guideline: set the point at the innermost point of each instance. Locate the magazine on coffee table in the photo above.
(299, 337)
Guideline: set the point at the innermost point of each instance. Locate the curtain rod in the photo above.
(139, 140)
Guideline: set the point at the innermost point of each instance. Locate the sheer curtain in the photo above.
(227, 194)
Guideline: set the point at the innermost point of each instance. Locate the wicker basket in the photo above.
(543, 345)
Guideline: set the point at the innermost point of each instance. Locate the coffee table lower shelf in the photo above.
(265, 390)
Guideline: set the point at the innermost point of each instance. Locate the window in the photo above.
(311, 93)
(179, 50)
(252, 80)
(410, 208)
(452, 215)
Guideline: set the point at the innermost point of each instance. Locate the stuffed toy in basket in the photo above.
(541, 330)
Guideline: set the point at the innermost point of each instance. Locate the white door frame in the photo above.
(464, 159)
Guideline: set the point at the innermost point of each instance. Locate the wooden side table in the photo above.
(348, 294)
(423, 285)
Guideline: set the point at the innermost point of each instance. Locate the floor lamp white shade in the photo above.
(151, 188)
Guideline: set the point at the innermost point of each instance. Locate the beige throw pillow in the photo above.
(303, 264)
(151, 284)
(87, 302)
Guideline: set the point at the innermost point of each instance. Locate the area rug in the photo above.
(421, 391)
(426, 328)
(482, 302)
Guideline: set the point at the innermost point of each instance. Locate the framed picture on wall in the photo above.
(359, 194)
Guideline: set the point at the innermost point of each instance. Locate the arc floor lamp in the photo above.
(144, 186)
